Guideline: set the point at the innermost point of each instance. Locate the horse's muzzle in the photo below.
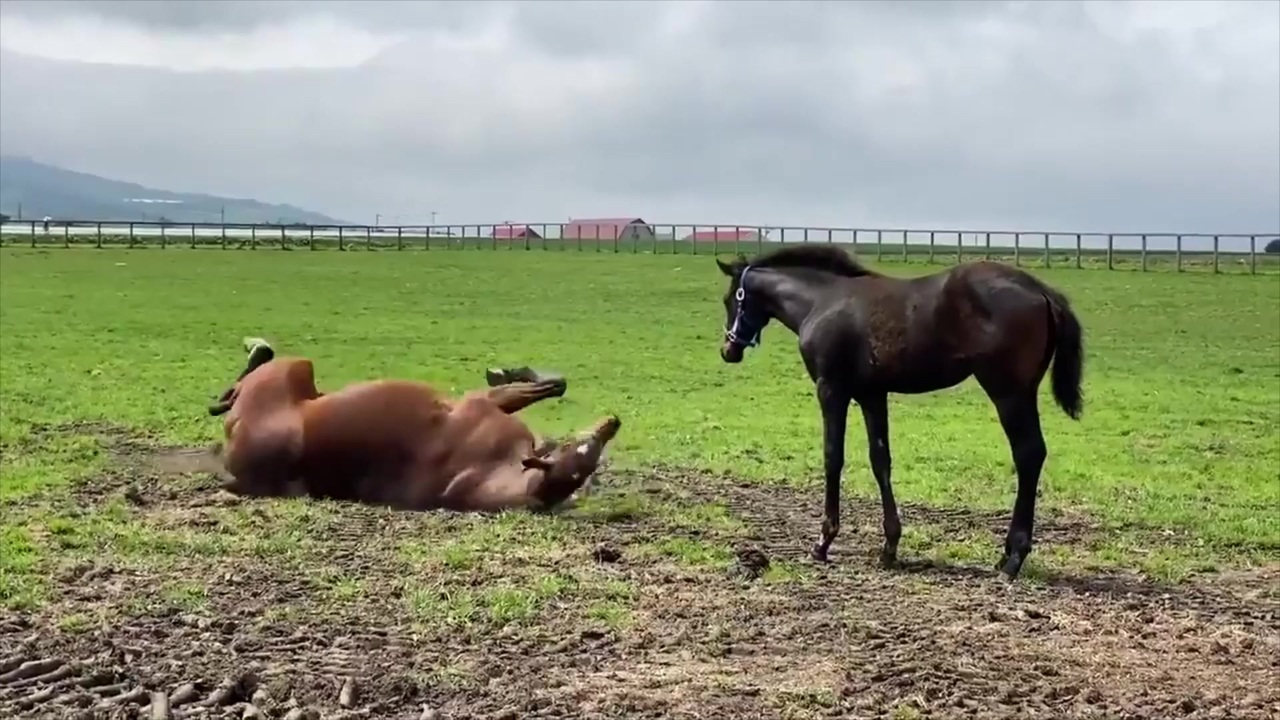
(731, 352)
(606, 429)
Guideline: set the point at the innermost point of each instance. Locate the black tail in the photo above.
(1068, 355)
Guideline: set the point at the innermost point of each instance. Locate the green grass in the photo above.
(1181, 433)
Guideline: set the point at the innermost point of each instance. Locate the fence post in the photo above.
(99, 243)
(1177, 254)
(1017, 249)
(930, 247)
(959, 248)
(33, 233)
(193, 236)
(33, 229)
(283, 240)
(1215, 254)
(1111, 250)
(253, 236)
(66, 235)
(1253, 254)
(879, 245)
(368, 238)
(1144, 252)
(342, 242)
(311, 237)
(224, 237)
(1077, 251)
(986, 243)
(904, 246)
(1047, 261)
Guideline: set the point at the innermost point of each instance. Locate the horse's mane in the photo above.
(826, 258)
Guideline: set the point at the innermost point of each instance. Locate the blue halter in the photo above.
(748, 321)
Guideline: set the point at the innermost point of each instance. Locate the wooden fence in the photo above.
(1227, 252)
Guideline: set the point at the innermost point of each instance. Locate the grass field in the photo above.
(1168, 488)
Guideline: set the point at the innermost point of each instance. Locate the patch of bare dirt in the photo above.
(852, 640)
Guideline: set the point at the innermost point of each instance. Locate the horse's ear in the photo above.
(726, 268)
(536, 463)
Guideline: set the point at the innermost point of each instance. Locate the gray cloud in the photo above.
(1109, 117)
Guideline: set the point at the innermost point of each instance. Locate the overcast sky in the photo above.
(1090, 116)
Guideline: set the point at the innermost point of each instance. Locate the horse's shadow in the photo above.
(1109, 584)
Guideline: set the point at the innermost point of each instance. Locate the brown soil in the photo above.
(851, 641)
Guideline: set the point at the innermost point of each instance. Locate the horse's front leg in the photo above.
(835, 415)
(875, 414)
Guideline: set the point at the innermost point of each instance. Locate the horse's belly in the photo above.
(919, 384)
(924, 373)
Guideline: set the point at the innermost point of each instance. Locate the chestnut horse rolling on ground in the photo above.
(397, 443)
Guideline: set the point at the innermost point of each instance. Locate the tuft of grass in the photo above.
(785, 572)
(184, 596)
(690, 553)
(509, 602)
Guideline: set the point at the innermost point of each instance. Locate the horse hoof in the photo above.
(888, 561)
(819, 553)
(1009, 567)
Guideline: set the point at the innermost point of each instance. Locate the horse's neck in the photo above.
(794, 296)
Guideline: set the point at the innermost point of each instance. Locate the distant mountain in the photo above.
(33, 190)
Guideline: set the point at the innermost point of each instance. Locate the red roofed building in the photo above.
(719, 236)
(608, 229)
(514, 232)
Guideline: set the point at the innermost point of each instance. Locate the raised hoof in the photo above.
(505, 376)
(260, 352)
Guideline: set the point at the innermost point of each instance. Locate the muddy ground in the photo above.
(700, 639)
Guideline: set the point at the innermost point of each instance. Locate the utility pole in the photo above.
(377, 219)
(433, 217)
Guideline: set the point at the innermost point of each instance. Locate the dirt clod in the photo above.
(606, 553)
(752, 562)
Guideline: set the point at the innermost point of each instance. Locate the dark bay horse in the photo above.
(863, 335)
(396, 443)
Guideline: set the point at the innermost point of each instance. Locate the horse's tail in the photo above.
(1068, 353)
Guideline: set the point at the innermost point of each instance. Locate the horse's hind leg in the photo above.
(260, 353)
(1020, 418)
(518, 396)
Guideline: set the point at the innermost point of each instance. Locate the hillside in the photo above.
(34, 190)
